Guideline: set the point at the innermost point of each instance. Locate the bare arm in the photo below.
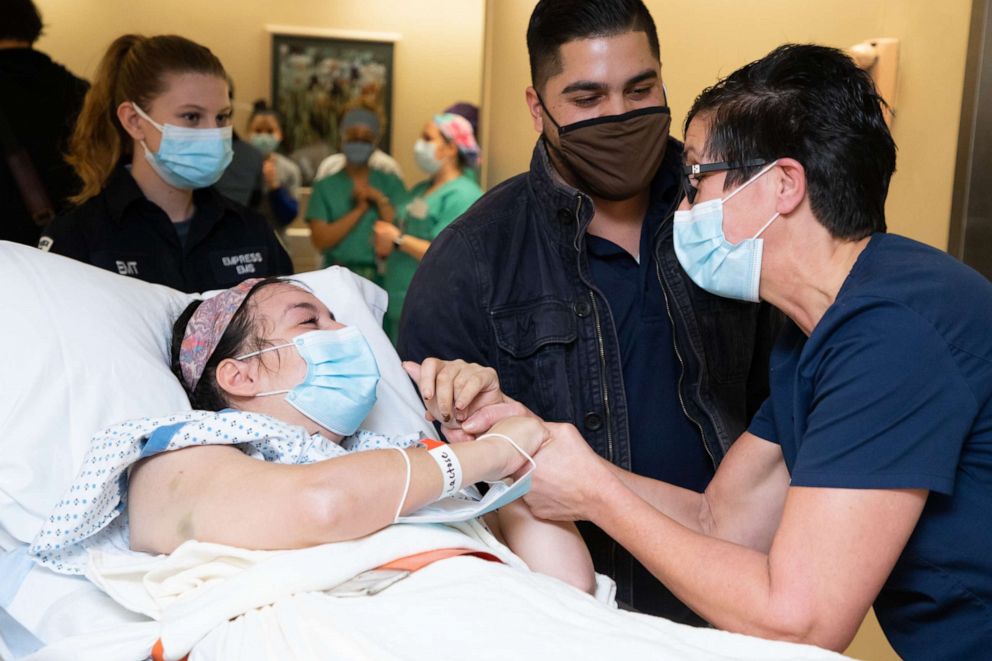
(752, 555)
(218, 494)
(743, 502)
(554, 548)
(326, 235)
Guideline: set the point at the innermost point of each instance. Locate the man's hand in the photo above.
(568, 473)
(383, 235)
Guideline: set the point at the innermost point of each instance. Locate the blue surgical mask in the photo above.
(357, 152)
(264, 142)
(338, 390)
(423, 154)
(189, 158)
(731, 270)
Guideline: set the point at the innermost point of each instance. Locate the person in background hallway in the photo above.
(564, 279)
(153, 137)
(39, 102)
(280, 176)
(446, 151)
(379, 160)
(470, 112)
(242, 180)
(344, 207)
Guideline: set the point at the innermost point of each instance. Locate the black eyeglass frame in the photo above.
(696, 169)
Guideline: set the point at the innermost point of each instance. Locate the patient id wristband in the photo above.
(451, 470)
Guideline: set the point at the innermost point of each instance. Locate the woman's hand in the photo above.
(453, 390)
(564, 485)
(383, 235)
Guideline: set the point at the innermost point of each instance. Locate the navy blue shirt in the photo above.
(893, 390)
(665, 444)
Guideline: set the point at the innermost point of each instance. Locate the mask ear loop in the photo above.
(765, 226)
(259, 352)
(547, 112)
(748, 183)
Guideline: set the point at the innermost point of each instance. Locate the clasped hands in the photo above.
(467, 401)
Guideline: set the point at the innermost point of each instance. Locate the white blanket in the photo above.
(218, 602)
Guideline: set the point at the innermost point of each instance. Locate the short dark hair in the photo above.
(557, 22)
(20, 21)
(813, 104)
(241, 336)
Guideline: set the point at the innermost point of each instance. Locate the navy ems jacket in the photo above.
(122, 231)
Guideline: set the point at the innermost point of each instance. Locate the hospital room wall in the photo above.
(438, 58)
(701, 41)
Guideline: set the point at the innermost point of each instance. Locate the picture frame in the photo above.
(317, 74)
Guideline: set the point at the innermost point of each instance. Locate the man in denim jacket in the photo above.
(565, 280)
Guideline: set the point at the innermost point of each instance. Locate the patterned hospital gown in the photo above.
(93, 512)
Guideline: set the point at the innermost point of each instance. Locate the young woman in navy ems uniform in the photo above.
(153, 137)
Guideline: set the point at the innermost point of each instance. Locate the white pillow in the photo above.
(82, 348)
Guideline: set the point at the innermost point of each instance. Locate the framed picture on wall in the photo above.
(317, 76)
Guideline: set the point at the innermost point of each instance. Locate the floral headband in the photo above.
(206, 327)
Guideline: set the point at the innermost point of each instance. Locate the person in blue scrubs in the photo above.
(866, 477)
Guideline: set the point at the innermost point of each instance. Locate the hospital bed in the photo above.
(82, 348)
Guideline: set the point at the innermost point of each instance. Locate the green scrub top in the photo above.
(423, 217)
(331, 199)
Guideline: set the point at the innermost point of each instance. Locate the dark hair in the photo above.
(133, 69)
(557, 22)
(813, 104)
(261, 108)
(241, 336)
(20, 21)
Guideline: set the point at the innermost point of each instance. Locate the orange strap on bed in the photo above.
(410, 563)
(158, 654)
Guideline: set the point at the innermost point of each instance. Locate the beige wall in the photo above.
(701, 41)
(438, 59)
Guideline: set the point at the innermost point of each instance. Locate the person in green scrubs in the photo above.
(447, 151)
(345, 206)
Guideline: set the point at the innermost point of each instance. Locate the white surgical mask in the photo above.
(731, 270)
(423, 154)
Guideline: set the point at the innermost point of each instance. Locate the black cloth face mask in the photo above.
(613, 157)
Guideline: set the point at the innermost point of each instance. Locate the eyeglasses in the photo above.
(692, 173)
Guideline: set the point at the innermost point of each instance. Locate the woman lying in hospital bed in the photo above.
(211, 597)
(282, 463)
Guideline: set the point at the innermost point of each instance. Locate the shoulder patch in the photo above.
(45, 243)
